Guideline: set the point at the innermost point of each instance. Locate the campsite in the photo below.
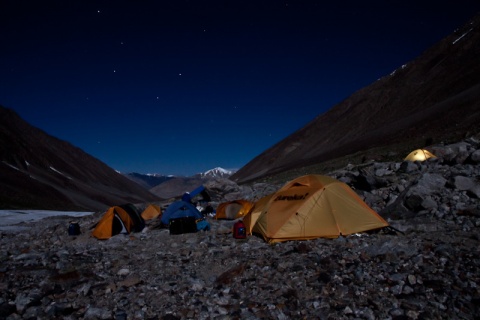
(427, 267)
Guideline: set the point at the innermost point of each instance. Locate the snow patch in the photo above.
(11, 166)
(55, 170)
(463, 35)
(402, 67)
(217, 172)
(9, 218)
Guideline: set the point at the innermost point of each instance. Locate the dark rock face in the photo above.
(42, 172)
(429, 270)
(433, 98)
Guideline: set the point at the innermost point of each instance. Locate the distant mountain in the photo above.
(217, 173)
(177, 186)
(148, 181)
(432, 98)
(169, 186)
(39, 171)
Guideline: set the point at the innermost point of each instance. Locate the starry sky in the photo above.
(180, 87)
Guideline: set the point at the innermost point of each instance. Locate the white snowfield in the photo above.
(9, 219)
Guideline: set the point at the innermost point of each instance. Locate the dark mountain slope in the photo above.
(147, 181)
(434, 97)
(177, 186)
(42, 172)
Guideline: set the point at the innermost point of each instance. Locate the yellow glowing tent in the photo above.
(151, 212)
(309, 207)
(233, 209)
(419, 155)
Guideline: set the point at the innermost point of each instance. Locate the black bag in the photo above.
(182, 225)
(74, 229)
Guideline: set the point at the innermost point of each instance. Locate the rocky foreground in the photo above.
(429, 270)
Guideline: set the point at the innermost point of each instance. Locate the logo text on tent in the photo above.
(291, 197)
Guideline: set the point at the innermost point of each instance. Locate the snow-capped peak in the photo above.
(218, 173)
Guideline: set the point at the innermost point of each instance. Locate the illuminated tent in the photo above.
(233, 209)
(419, 155)
(310, 207)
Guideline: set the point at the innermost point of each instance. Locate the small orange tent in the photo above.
(233, 209)
(310, 207)
(151, 212)
(419, 155)
(116, 220)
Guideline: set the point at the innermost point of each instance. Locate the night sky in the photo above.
(180, 87)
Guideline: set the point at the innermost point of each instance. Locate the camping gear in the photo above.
(208, 210)
(199, 195)
(419, 155)
(180, 209)
(203, 224)
(74, 229)
(239, 230)
(186, 197)
(152, 211)
(309, 207)
(182, 225)
(232, 210)
(119, 219)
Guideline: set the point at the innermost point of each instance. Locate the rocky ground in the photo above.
(429, 270)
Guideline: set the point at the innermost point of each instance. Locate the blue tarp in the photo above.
(180, 209)
(186, 197)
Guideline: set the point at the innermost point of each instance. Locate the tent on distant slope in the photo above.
(119, 219)
(419, 155)
(180, 209)
(199, 194)
(309, 207)
(151, 212)
(233, 209)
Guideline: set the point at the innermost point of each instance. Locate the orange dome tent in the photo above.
(118, 219)
(151, 212)
(310, 207)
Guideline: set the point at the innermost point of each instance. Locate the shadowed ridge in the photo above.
(432, 98)
(40, 171)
